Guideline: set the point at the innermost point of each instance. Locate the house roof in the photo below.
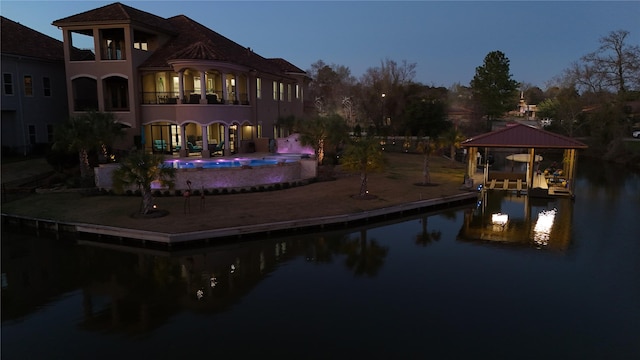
(117, 13)
(189, 40)
(194, 41)
(20, 40)
(523, 136)
(286, 66)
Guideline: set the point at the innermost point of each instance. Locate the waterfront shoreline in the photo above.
(315, 205)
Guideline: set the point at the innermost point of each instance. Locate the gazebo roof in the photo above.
(523, 136)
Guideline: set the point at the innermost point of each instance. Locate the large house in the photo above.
(175, 85)
(34, 88)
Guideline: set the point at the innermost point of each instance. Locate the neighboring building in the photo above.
(178, 86)
(526, 110)
(34, 90)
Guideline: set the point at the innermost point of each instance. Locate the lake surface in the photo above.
(447, 285)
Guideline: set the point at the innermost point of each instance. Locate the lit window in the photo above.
(196, 85)
(140, 41)
(176, 86)
(28, 85)
(297, 91)
(275, 90)
(281, 92)
(258, 88)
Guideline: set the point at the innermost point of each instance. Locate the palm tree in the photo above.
(363, 155)
(323, 131)
(453, 137)
(141, 169)
(426, 146)
(86, 132)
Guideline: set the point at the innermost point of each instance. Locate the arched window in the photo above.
(116, 94)
(85, 94)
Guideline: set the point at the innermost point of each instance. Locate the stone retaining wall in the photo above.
(239, 177)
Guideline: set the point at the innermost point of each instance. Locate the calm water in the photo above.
(448, 285)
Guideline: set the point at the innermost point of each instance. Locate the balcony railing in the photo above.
(156, 97)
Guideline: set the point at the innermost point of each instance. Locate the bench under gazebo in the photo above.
(555, 182)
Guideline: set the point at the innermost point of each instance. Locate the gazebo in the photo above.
(521, 136)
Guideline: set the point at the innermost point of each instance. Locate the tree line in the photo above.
(594, 97)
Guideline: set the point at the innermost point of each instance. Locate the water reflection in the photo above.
(508, 218)
(132, 289)
(412, 287)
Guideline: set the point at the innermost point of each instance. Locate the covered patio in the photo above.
(553, 181)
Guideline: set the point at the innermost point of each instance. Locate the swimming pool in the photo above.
(229, 173)
(226, 163)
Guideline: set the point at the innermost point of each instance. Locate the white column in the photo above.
(183, 142)
(205, 141)
(237, 86)
(203, 87)
(180, 86)
(224, 86)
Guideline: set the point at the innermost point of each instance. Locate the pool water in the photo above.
(222, 163)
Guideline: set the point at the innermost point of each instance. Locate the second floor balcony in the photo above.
(211, 98)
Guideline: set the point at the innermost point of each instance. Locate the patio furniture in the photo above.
(193, 148)
(217, 149)
(159, 145)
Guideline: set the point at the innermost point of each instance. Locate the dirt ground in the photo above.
(401, 182)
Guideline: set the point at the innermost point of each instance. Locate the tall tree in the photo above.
(493, 87)
(330, 85)
(425, 110)
(615, 65)
(140, 169)
(390, 79)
